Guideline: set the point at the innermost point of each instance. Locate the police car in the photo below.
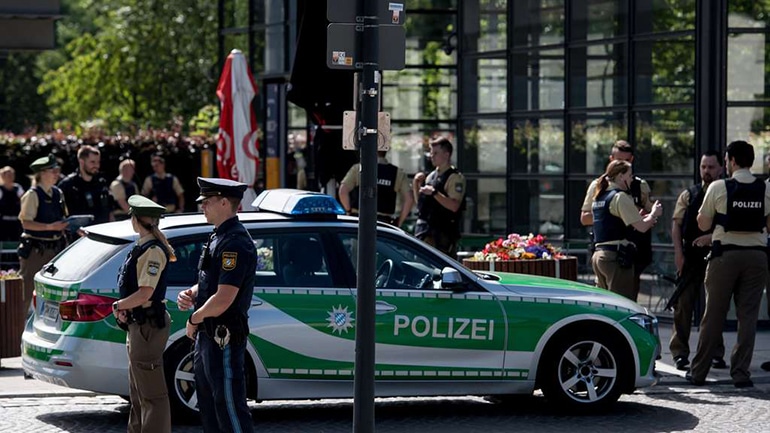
(441, 329)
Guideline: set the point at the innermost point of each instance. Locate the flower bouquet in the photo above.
(10, 274)
(518, 247)
(265, 259)
(529, 254)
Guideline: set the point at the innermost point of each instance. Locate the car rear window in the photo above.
(82, 258)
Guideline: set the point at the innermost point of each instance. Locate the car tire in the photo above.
(582, 373)
(180, 380)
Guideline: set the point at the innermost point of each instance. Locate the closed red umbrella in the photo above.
(237, 145)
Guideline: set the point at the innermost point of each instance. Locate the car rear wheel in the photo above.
(180, 380)
(580, 373)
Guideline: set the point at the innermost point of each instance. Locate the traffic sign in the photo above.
(343, 49)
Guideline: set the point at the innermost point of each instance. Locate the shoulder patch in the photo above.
(459, 187)
(153, 268)
(229, 260)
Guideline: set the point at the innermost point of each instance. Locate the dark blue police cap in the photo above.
(218, 187)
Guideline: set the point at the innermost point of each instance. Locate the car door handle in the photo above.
(382, 307)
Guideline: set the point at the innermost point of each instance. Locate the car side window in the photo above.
(291, 260)
(184, 271)
(399, 264)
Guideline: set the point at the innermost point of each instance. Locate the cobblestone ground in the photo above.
(718, 408)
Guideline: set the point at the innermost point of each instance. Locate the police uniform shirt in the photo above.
(353, 178)
(150, 265)
(118, 190)
(175, 185)
(715, 201)
(455, 185)
(622, 206)
(29, 204)
(589, 198)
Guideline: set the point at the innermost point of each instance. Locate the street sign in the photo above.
(344, 11)
(349, 133)
(344, 52)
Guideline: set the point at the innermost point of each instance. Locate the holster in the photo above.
(25, 248)
(716, 250)
(626, 255)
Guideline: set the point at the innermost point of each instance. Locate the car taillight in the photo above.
(86, 308)
(34, 300)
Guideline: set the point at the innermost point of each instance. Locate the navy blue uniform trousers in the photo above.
(221, 386)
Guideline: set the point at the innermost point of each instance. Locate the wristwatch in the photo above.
(115, 306)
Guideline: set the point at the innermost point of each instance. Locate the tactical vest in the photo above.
(10, 203)
(386, 190)
(745, 207)
(690, 230)
(163, 190)
(607, 227)
(128, 283)
(84, 198)
(438, 217)
(49, 210)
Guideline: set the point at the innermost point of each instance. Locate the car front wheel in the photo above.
(582, 373)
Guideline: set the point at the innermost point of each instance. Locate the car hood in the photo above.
(554, 288)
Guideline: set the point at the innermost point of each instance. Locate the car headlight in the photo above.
(650, 323)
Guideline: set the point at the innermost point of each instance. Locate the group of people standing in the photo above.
(720, 232)
(439, 195)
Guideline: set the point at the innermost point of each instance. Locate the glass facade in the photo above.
(535, 92)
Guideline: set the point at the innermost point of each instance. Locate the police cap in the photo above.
(218, 187)
(142, 206)
(44, 163)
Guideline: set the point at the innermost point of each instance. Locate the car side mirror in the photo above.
(451, 278)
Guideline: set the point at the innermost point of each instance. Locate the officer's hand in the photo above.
(427, 190)
(419, 178)
(679, 262)
(185, 299)
(191, 330)
(59, 225)
(657, 209)
(702, 241)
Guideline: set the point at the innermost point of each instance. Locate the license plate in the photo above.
(50, 311)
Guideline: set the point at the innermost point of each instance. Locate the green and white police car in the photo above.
(441, 329)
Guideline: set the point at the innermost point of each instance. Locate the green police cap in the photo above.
(142, 206)
(43, 163)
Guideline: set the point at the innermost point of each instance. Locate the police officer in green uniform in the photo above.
(141, 311)
(42, 219)
(615, 217)
(222, 299)
(739, 207)
(691, 246)
(440, 200)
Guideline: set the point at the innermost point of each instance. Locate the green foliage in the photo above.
(20, 106)
(144, 63)
(206, 123)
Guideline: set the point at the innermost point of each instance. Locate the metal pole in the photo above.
(363, 405)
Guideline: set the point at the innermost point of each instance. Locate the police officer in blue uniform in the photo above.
(222, 299)
(141, 311)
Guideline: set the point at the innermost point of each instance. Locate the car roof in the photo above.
(122, 230)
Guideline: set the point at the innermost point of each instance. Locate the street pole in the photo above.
(363, 403)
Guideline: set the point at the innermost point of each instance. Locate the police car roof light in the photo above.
(297, 202)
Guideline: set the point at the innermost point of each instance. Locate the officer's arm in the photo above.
(704, 222)
(345, 197)
(217, 303)
(136, 299)
(407, 202)
(449, 202)
(676, 235)
(586, 218)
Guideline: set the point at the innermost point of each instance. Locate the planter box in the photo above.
(12, 317)
(565, 268)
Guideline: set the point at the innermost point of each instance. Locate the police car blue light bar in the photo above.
(297, 202)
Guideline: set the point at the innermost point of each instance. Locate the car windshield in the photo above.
(81, 258)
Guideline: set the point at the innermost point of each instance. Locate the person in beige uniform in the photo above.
(614, 214)
(738, 208)
(42, 219)
(141, 311)
(440, 200)
(691, 247)
(391, 184)
(163, 187)
(640, 193)
(122, 188)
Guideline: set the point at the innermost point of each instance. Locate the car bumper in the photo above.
(71, 362)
